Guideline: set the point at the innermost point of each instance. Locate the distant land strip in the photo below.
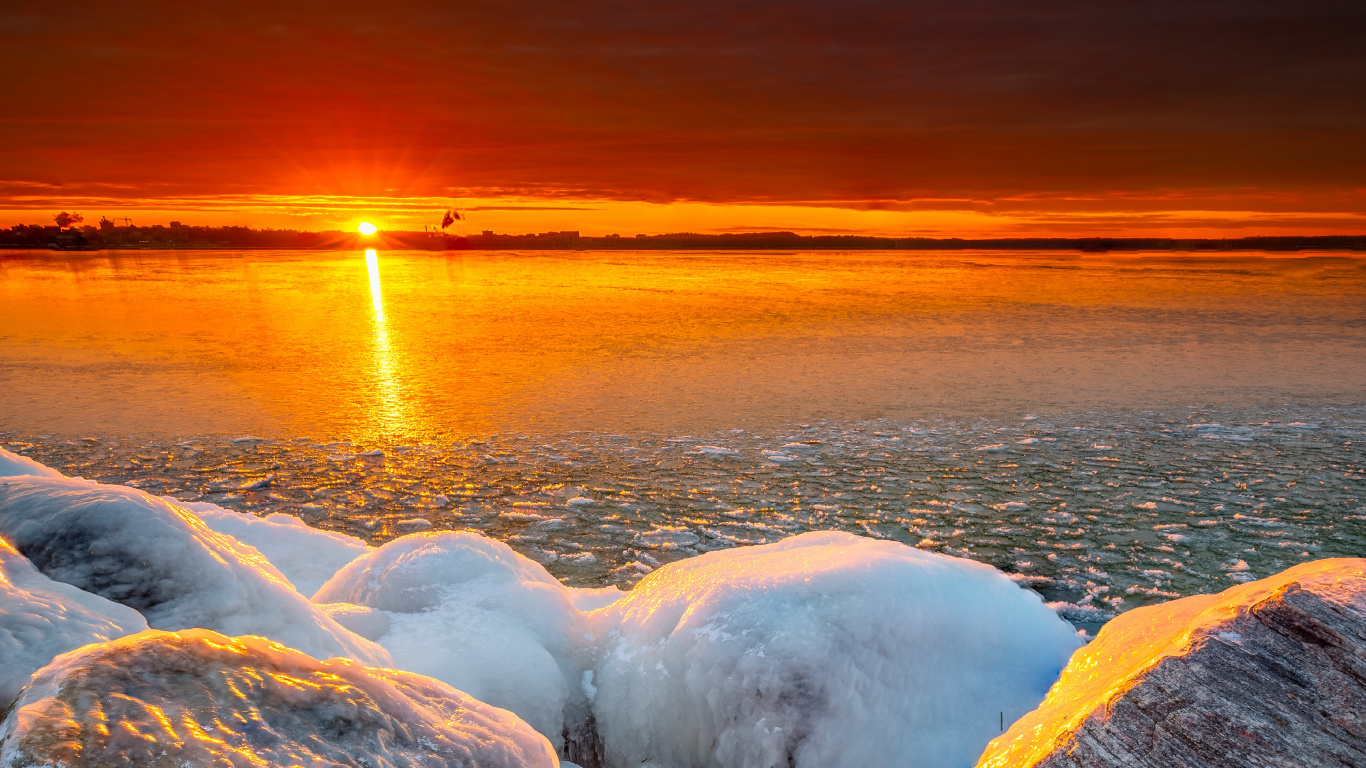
(180, 237)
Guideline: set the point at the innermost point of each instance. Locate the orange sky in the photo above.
(979, 117)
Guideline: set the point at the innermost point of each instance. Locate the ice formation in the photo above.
(826, 649)
(199, 698)
(13, 465)
(40, 618)
(158, 558)
(306, 556)
(1265, 673)
(473, 613)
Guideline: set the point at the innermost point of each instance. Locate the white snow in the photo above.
(473, 613)
(40, 618)
(12, 465)
(591, 599)
(306, 556)
(824, 650)
(200, 698)
(158, 558)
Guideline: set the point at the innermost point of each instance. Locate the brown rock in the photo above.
(1269, 674)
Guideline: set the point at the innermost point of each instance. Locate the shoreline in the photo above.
(240, 238)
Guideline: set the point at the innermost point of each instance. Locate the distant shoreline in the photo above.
(243, 238)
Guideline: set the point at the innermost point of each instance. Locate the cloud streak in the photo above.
(991, 106)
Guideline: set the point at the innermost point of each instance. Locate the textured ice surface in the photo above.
(40, 618)
(471, 612)
(823, 650)
(307, 556)
(199, 698)
(161, 560)
(1099, 512)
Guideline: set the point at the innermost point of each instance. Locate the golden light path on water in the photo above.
(393, 416)
(420, 346)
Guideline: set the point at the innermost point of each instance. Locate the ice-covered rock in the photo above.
(158, 558)
(306, 556)
(13, 465)
(820, 651)
(197, 698)
(471, 612)
(1268, 673)
(40, 618)
(369, 623)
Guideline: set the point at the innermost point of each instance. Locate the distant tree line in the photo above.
(67, 235)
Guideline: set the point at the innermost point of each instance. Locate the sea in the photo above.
(1111, 430)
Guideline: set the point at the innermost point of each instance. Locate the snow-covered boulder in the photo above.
(198, 698)
(40, 618)
(307, 556)
(13, 465)
(158, 558)
(824, 650)
(1268, 673)
(471, 612)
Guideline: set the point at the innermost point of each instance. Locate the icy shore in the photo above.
(823, 649)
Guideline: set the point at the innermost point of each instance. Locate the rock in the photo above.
(824, 650)
(471, 612)
(1270, 674)
(160, 560)
(307, 556)
(40, 618)
(198, 698)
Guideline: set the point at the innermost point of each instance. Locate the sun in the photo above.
(366, 228)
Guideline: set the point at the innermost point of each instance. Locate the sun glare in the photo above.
(366, 228)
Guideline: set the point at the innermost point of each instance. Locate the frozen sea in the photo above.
(1112, 430)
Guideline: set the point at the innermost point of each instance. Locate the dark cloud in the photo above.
(741, 100)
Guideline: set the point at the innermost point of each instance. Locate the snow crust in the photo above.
(1138, 640)
(13, 465)
(822, 650)
(199, 698)
(471, 612)
(158, 558)
(41, 618)
(306, 556)
(591, 599)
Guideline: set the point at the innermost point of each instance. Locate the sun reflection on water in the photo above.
(372, 266)
(393, 415)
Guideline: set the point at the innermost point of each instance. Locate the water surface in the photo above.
(1110, 430)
